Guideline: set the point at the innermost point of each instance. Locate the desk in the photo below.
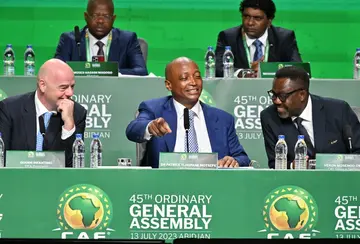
(155, 203)
(112, 103)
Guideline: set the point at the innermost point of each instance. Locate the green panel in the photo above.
(326, 30)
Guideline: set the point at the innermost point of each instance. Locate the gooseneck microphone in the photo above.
(186, 127)
(77, 39)
(348, 136)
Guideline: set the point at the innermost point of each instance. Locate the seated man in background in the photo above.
(160, 121)
(256, 40)
(324, 122)
(99, 38)
(45, 119)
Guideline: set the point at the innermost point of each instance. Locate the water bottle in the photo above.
(300, 153)
(210, 63)
(228, 63)
(95, 152)
(78, 152)
(357, 64)
(2, 152)
(29, 61)
(281, 151)
(9, 61)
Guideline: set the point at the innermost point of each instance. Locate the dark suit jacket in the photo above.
(220, 127)
(282, 47)
(124, 49)
(18, 126)
(329, 119)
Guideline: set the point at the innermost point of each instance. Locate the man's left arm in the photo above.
(135, 59)
(351, 119)
(292, 49)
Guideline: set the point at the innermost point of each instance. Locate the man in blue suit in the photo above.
(99, 38)
(160, 121)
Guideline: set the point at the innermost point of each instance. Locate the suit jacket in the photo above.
(220, 127)
(124, 49)
(18, 126)
(330, 116)
(282, 47)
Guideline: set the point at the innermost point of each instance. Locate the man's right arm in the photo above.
(5, 124)
(63, 50)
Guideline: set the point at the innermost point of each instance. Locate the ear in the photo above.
(270, 22)
(303, 95)
(114, 18)
(85, 16)
(42, 85)
(168, 85)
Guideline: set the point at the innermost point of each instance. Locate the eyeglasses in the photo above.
(106, 17)
(282, 96)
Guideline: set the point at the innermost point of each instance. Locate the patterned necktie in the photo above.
(101, 50)
(258, 51)
(303, 131)
(193, 145)
(39, 136)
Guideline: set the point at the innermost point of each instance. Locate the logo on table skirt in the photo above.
(84, 211)
(2, 95)
(87, 65)
(290, 212)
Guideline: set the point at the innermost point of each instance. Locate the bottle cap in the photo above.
(95, 136)
(301, 137)
(282, 137)
(78, 136)
(227, 48)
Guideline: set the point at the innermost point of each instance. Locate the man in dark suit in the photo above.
(326, 123)
(46, 119)
(99, 38)
(256, 40)
(160, 121)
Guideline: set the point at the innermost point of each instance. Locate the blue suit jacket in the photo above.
(124, 49)
(220, 126)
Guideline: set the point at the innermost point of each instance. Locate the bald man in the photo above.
(45, 119)
(160, 121)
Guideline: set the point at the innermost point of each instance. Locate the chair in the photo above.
(140, 149)
(144, 48)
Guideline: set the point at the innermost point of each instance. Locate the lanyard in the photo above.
(247, 49)
(88, 55)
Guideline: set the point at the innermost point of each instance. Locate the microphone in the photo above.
(348, 136)
(187, 127)
(77, 39)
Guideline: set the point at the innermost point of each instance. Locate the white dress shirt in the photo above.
(95, 48)
(250, 41)
(40, 110)
(307, 122)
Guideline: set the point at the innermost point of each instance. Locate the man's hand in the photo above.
(159, 127)
(228, 162)
(66, 108)
(255, 65)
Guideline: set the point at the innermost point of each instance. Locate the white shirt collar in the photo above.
(263, 39)
(93, 40)
(180, 109)
(40, 108)
(307, 112)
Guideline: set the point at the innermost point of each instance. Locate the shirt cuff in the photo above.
(65, 134)
(147, 135)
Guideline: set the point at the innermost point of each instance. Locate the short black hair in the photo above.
(92, 3)
(268, 6)
(295, 74)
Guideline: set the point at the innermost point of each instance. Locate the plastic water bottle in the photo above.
(9, 61)
(78, 152)
(300, 153)
(95, 152)
(210, 63)
(281, 151)
(2, 152)
(228, 63)
(29, 61)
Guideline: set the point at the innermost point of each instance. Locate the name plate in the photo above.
(173, 160)
(94, 68)
(268, 69)
(33, 159)
(338, 161)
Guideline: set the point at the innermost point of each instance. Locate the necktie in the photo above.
(39, 136)
(101, 50)
(302, 131)
(258, 51)
(193, 145)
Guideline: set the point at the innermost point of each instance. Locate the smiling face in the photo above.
(184, 81)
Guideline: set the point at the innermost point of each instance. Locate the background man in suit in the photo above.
(49, 109)
(256, 40)
(326, 123)
(160, 121)
(99, 37)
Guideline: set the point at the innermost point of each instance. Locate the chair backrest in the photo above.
(140, 149)
(356, 111)
(144, 48)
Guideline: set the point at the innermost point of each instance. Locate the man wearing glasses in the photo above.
(322, 121)
(99, 39)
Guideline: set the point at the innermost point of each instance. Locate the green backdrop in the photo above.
(327, 30)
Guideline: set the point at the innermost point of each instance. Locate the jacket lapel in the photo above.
(82, 45)
(114, 45)
(318, 122)
(240, 49)
(29, 118)
(212, 126)
(170, 116)
(272, 49)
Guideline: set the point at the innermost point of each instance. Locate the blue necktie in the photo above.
(258, 51)
(39, 136)
(193, 145)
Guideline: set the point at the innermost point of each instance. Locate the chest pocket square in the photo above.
(333, 142)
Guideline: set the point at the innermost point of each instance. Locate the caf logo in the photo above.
(87, 65)
(288, 209)
(84, 207)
